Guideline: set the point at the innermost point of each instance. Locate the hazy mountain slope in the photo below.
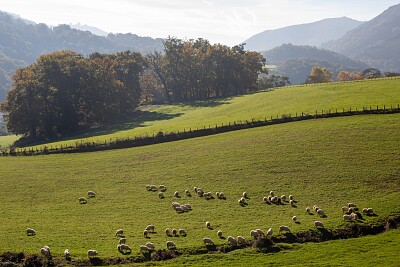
(94, 30)
(376, 42)
(313, 34)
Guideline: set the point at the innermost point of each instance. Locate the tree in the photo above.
(320, 75)
(371, 73)
(349, 76)
(272, 81)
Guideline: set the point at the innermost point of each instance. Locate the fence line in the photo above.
(161, 137)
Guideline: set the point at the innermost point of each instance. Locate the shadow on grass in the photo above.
(207, 103)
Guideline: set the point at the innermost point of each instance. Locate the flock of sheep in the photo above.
(350, 214)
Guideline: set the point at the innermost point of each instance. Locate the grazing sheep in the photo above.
(265, 199)
(241, 239)
(351, 205)
(219, 233)
(294, 218)
(240, 202)
(91, 194)
(269, 232)
(150, 245)
(284, 228)
(148, 187)
(347, 217)
(168, 232)
(208, 225)
(176, 194)
(271, 193)
(320, 212)
(283, 197)
(217, 194)
(345, 209)
(160, 195)
(146, 233)
(183, 207)
(274, 199)
(308, 210)
(354, 216)
(365, 210)
(208, 241)
(260, 232)
(370, 211)
(279, 200)
(200, 193)
(174, 232)
(150, 227)
(188, 193)
(195, 189)
(122, 240)
(119, 232)
(143, 248)
(222, 195)
(254, 233)
(291, 197)
(45, 252)
(179, 209)
(291, 202)
(269, 198)
(153, 188)
(170, 244)
(66, 253)
(82, 200)
(162, 187)
(92, 253)
(352, 209)
(207, 195)
(245, 195)
(187, 206)
(175, 205)
(318, 224)
(232, 240)
(182, 232)
(30, 231)
(124, 248)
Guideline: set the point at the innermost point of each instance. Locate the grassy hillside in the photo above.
(259, 105)
(327, 162)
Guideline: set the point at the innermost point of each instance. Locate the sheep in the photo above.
(284, 228)
(315, 208)
(122, 240)
(254, 233)
(150, 227)
(91, 194)
(119, 232)
(188, 193)
(354, 216)
(162, 187)
(183, 207)
(245, 195)
(153, 188)
(265, 199)
(364, 210)
(175, 204)
(208, 225)
(146, 233)
(217, 194)
(208, 241)
(143, 248)
(241, 239)
(148, 187)
(200, 193)
(274, 199)
(271, 193)
(291, 197)
(66, 253)
(189, 207)
(232, 240)
(278, 200)
(347, 217)
(200, 190)
(260, 232)
(174, 232)
(82, 200)
(370, 211)
(45, 252)
(320, 212)
(195, 189)
(170, 245)
(351, 205)
(168, 232)
(182, 232)
(318, 224)
(352, 209)
(92, 253)
(222, 195)
(176, 194)
(179, 209)
(47, 247)
(219, 233)
(160, 195)
(283, 197)
(308, 210)
(207, 195)
(150, 245)
(269, 232)
(294, 218)
(124, 248)
(240, 202)
(291, 202)
(345, 209)
(30, 231)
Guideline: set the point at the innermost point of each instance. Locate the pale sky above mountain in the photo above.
(220, 21)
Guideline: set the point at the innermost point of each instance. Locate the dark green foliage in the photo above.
(272, 81)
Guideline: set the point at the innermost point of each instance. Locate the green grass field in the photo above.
(287, 100)
(327, 162)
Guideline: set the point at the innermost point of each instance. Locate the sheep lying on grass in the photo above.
(92, 253)
(182, 232)
(170, 245)
(162, 188)
(30, 231)
(82, 200)
(91, 194)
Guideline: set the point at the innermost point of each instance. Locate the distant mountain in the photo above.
(94, 30)
(376, 42)
(296, 62)
(22, 42)
(313, 34)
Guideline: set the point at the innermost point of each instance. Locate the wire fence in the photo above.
(162, 137)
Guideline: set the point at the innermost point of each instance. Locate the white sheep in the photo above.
(45, 252)
(208, 225)
(370, 211)
(189, 207)
(318, 224)
(91, 194)
(207, 241)
(30, 231)
(82, 200)
(150, 227)
(174, 232)
(284, 228)
(122, 240)
(222, 195)
(162, 187)
(92, 253)
(146, 233)
(274, 199)
(160, 195)
(354, 216)
(119, 232)
(179, 209)
(217, 194)
(175, 204)
(148, 187)
(182, 232)
(200, 193)
(150, 245)
(265, 199)
(241, 239)
(260, 232)
(66, 253)
(219, 233)
(143, 248)
(254, 233)
(170, 244)
(365, 210)
(232, 240)
(245, 195)
(294, 218)
(195, 189)
(308, 210)
(320, 212)
(168, 232)
(240, 202)
(176, 194)
(47, 247)
(269, 232)
(291, 202)
(188, 193)
(153, 188)
(345, 209)
(124, 248)
(283, 197)
(291, 197)
(351, 205)
(271, 193)
(347, 217)
(183, 207)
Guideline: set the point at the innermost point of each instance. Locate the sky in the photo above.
(228, 22)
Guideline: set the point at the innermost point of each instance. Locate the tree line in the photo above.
(64, 92)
